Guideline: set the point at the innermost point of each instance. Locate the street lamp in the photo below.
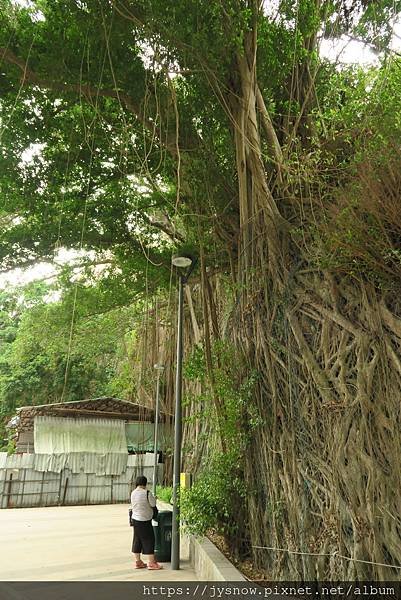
(159, 368)
(188, 263)
(182, 262)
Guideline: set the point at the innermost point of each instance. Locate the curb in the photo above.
(208, 562)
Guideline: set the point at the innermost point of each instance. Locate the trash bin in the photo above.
(163, 535)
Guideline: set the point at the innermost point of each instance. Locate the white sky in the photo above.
(20, 276)
(347, 51)
(40, 271)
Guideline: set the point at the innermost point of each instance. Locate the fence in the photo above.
(22, 486)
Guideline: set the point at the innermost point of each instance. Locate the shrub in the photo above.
(164, 493)
(215, 499)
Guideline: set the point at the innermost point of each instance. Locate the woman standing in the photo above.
(142, 503)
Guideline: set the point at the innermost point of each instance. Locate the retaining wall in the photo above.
(207, 561)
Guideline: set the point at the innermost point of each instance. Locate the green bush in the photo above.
(11, 447)
(164, 493)
(216, 501)
(216, 498)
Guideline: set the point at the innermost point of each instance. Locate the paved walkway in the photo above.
(70, 543)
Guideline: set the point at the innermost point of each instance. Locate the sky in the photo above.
(40, 271)
(342, 51)
(347, 51)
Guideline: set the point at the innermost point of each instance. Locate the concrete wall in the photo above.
(208, 562)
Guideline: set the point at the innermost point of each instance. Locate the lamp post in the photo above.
(187, 263)
(159, 368)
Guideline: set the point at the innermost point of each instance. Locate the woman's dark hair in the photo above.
(141, 480)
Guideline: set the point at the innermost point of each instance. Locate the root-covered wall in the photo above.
(321, 464)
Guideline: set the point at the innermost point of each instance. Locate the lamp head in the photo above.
(181, 261)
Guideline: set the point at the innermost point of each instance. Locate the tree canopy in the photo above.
(119, 118)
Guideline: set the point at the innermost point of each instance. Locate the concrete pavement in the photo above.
(73, 543)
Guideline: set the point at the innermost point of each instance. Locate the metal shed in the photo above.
(83, 452)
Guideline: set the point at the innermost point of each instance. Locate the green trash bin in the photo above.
(163, 535)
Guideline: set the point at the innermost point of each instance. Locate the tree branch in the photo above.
(174, 235)
(269, 131)
(88, 91)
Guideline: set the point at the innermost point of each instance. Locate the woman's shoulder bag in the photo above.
(154, 508)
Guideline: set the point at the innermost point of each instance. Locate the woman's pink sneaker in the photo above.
(154, 566)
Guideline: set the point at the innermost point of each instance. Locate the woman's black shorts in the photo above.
(144, 537)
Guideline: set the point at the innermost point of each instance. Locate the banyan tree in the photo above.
(217, 127)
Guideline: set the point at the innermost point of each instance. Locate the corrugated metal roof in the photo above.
(112, 407)
(101, 398)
